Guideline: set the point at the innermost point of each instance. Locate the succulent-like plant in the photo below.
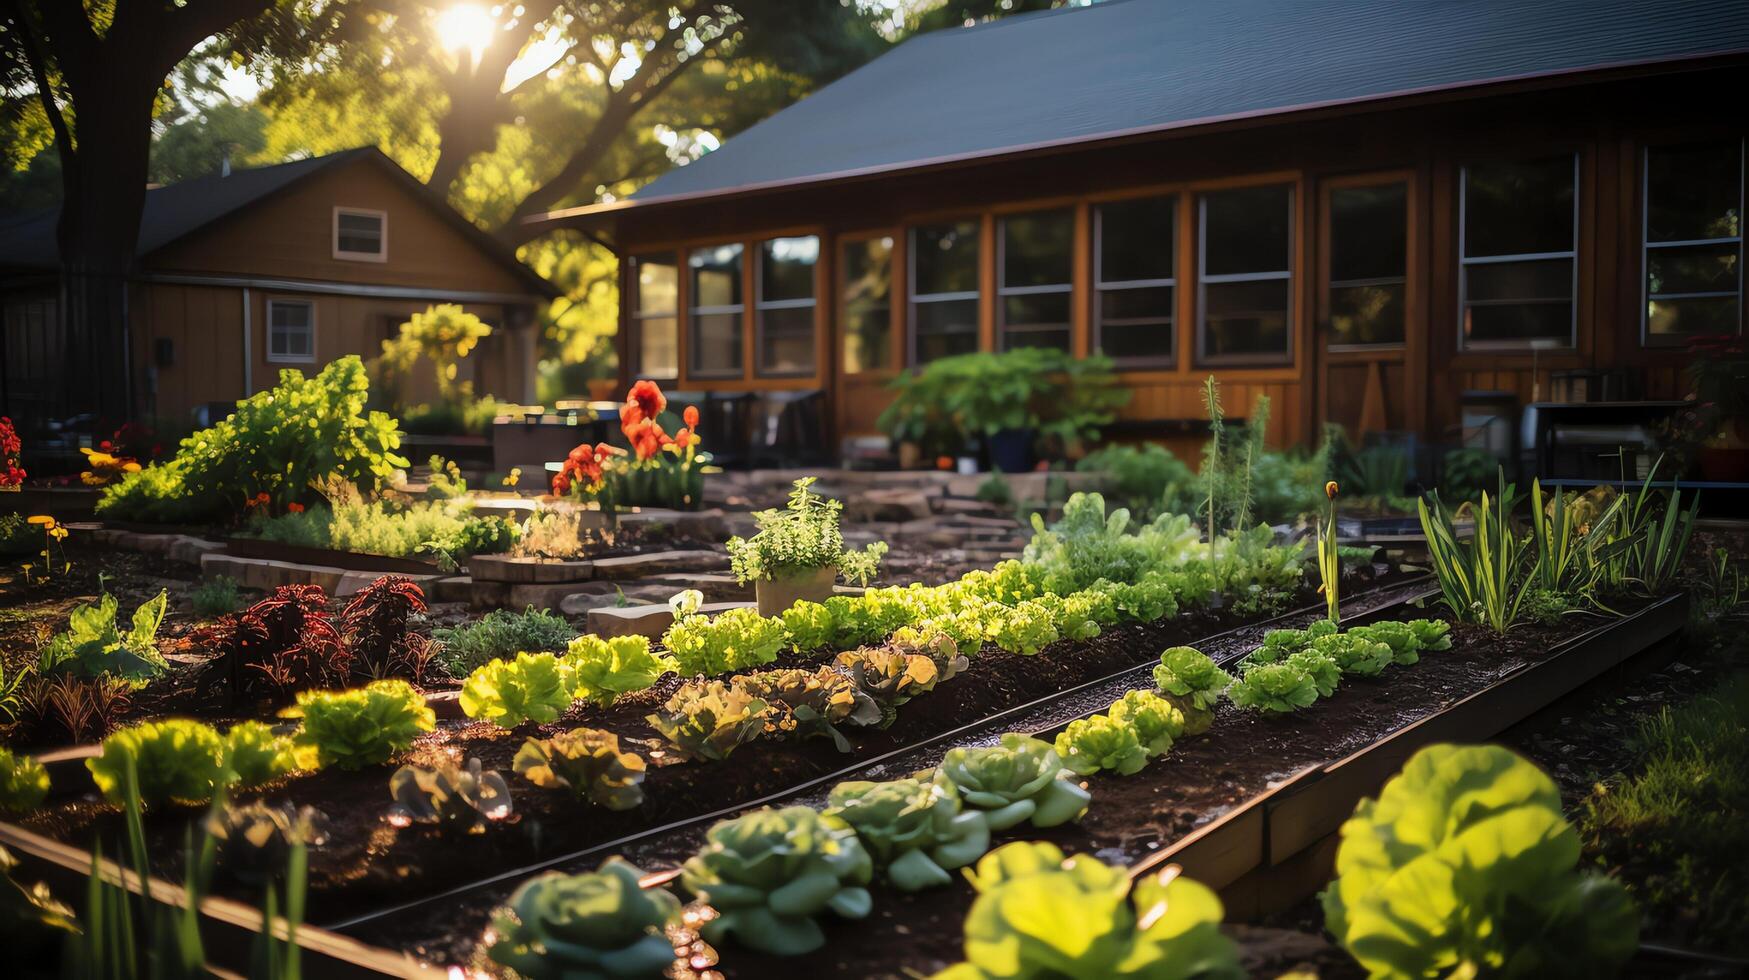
(579, 927)
(1194, 683)
(586, 761)
(1101, 742)
(770, 872)
(23, 782)
(1022, 778)
(361, 727)
(175, 759)
(255, 754)
(455, 799)
(1320, 667)
(709, 719)
(254, 840)
(1355, 654)
(810, 703)
(1156, 720)
(1275, 689)
(915, 828)
(1432, 634)
(534, 687)
(604, 669)
(734, 640)
(888, 677)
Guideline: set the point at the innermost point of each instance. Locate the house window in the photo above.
(1369, 264)
(655, 317)
(786, 305)
(716, 309)
(1694, 241)
(1517, 241)
(1135, 280)
(1245, 300)
(944, 291)
(867, 295)
(291, 330)
(361, 235)
(1035, 290)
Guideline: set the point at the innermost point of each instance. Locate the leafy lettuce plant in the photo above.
(1039, 914)
(1193, 683)
(534, 687)
(604, 669)
(1400, 637)
(1156, 721)
(888, 678)
(361, 727)
(455, 799)
(588, 763)
(1274, 689)
(1101, 742)
(1278, 645)
(255, 755)
(770, 872)
(1465, 866)
(94, 644)
(253, 842)
(1021, 778)
(1320, 667)
(810, 703)
(709, 719)
(1024, 629)
(175, 759)
(730, 641)
(601, 924)
(23, 782)
(809, 625)
(1431, 634)
(915, 828)
(1355, 654)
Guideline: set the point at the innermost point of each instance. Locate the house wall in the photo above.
(1415, 387)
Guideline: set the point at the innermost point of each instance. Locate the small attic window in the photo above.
(361, 235)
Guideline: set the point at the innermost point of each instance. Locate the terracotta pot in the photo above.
(777, 595)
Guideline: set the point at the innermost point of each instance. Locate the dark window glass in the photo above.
(1246, 230)
(1694, 193)
(1369, 260)
(360, 233)
(1247, 281)
(786, 340)
(716, 311)
(1244, 319)
(944, 300)
(868, 305)
(656, 326)
(1138, 240)
(1037, 252)
(1135, 276)
(786, 305)
(946, 328)
(1518, 251)
(1694, 241)
(787, 268)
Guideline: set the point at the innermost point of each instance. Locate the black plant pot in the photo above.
(1011, 450)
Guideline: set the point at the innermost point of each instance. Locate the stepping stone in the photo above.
(659, 563)
(651, 621)
(520, 571)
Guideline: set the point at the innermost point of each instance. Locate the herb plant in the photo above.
(732, 640)
(604, 669)
(1089, 745)
(457, 800)
(499, 635)
(94, 644)
(175, 759)
(535, 687)
(600, 924)
(709, 719)
(916, 829)
(800, 539)
(1020, 779)
(587, 762)
(23, 782)
(217, 596)
(1275, 689)
(361, 727)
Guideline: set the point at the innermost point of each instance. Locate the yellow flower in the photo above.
(1330, 489)
(43, 519)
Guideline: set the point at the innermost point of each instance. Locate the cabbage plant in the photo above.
(603, 669)
(770, 872)
(588, 763)
(174, 759)
(1101, 742)
(1356, 654)
(1274, 689)
(1320, 667)
(575, 927)
(1465, 866)
(534, 687)
(1400, 637)
(1431, 634)
(361, 727)
(1020, 779)
(915, 828)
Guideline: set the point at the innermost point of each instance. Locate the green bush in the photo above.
(23, 782)
(361, 727)
(498, 635)
(174, 760)
(598, 925)
(1089, 745)
(732, 640)
(93, 644)
(217, 596)
(916, 829)
(534, 687)
(447, 530)
(18, 537)
(1148, 479)
(1062, 398)
(1022, 778)
(255, 755)
(602, 670)
(587, 762)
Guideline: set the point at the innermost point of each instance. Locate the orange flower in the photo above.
(690, 416)
(294, 508)
(1330, 489)
(648, 398)
(944, 462)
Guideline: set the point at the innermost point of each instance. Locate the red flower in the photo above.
(582, 464)
(648, 397)
(691, 417)
(294, 508)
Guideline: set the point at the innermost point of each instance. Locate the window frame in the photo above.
(760, 305)
(1097, 285)
(1464, 262)
(636, 316)
(694, 312)
(913, 298)
(267, 348)
(1269, 359)
(345, 255)
(1329, 284)
(1003, 291)
(1646, 245)
(841, 304)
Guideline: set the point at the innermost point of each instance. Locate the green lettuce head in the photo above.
(361, 727)
(23, 782)
(1190, 676)
(1101, 742)
(709, 719)
(1156, 720)
(1400, 637)
(1355, 654)
(255, 755)
(1020, 779)
(1274, 689)
(176, 759)
(1320, 667)
(604, 669)
(580, 927)
(454, 799)
(1431, 634)
(534, 687)
(588, 763)
(1465, 865)
(770, 872)
(809, 625)
(915, 828)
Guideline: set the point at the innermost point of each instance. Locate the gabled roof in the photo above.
(1128, 67)
(174, 211)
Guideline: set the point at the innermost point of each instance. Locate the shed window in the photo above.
(944, 291)
(361, 235)
(1246, 276)
(1694, 241)
(655, 317)
(291, 330)
(786, 305)
(1135, 277)
(716, 311)
(868, 304)
(1518, 248)
(1369, 264)
(1036, 289)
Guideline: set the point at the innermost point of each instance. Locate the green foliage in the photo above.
(770, 872)
(1379, 472)
(255, 755)
(1188, 674)
(1654, 538)
(1089, 745)
(1062, 398)
(586, 761)
(571, 927)
(1025, 628)
(23, 782)
(1281, 644)
(444, 335)
(1320, 667)
(1020, 779)
(93, 644)
(1467, 472)
(361, 727)
(733, 640)
(1465, 866)
(535, 687)
(709, 719)
(809, 625)
(1156, 721)
(810, 703)
(1147, 479)
(279, 442)
(447, 530)
(174, 760)
(914, 828)
(1400, 637)
(1275, 689)
(457, 800)
(1039, 914)
(604, 669)
(500, 634)
(1355, 654)
(889, 677)
(800, 539)
(1482, 577)
(1568, 538)
(216, 596)
(18, 537)
(1431, 634)
(995, 490)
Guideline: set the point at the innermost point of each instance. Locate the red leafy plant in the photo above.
(378, 627)
(281, 645)
(11, 475)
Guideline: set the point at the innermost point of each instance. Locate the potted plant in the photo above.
(798, 552)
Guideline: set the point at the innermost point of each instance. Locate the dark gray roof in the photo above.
(176, 210)
(1130, 66)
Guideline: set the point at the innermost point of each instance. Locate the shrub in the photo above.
(1022, 778)
(733, 640)
(768, 874)
(1156, 721)
(93, 644)
(810, 703)
(23, 782)
(1275, 689)
(709, 719)
(587, 762)
(602, 670)
(361, 727)
(1467, 851)
(378, 627)
(176, 759)
(800, 539)
(216, 596)
(281, 645)
(534, 687)
(1063, 399)
(447, 531)
(1100, 742)
(455, 799)
(1147, 478)
(255, 755)
(602, 924)
(914, 828)
(498, 635)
